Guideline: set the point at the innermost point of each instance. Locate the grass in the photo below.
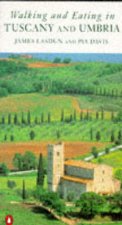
(20, 213)
(24, 216)
(113, 159)
(73, 131)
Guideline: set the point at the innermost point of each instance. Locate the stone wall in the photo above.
(79, 172)
(103, 180)
(72, 188)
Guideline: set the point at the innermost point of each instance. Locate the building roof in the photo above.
(77, 180)
(81, 164)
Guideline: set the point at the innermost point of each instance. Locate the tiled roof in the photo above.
(81, 164)
(77, 180)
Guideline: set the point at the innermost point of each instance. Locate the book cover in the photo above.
(60, 112)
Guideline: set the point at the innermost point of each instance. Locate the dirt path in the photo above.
(76, 105)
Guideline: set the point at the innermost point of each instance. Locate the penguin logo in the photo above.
(9, 220)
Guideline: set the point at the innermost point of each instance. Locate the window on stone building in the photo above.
(58, 153)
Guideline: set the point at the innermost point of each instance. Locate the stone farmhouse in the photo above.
(73, 177)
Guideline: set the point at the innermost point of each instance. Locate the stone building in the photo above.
(76, 177)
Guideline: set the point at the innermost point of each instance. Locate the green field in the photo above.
(113, 159)
(23, 215)
(53, 105)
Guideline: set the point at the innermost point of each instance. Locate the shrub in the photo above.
(11, 184)
(53, 201)
(3, 92)
(94, 152)
(90, 204)
(4, 169)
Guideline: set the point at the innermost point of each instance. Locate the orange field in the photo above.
(72, 149)
(45, 65)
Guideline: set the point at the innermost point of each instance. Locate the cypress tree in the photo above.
(36, 120)
(40, 171)
(74, 116)
(102, 114)
(81, 116)
(87, 115)
(112, 115)
(23, 119)
(62, 116)
(91, 134)
(32, 135)
(3, 120)
(119, 135)
(98, 136)
(49, 117)
(42, 117)
(112, 136)
(23, 191)
(11, 137)
(28, 118)
(9, 118)
(97, 115)
(5, 137)
(15, 119)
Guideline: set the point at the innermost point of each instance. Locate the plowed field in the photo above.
(72, 149)
(45, 65)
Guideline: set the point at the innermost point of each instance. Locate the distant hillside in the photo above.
(26, 75)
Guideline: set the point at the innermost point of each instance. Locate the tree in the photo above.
(90, 204)
(3, 120)
(18, 161)
(74, 115)
(102, 114)
(97, 115)
(36, 120)
(23, 190)
(5, 137)
(119, 135)
(9, 118)
(107, 150)
(23, 119)
(98, 136)
(67, 60)
(49, 117)
(4, 169)
(15, 119)
(40, 171)
(81, 116)
(29, 160)
(116, 203)
(57, 60)
(53, 201)
(42, 117)
(112, 136)
(112, 115)
(94, 152)
(87, 115)
(62, 116)
(25, 162)
(11, 137)
(28, 118)
(32, 135)
(58, 134)
(91, 134)
(3, 92)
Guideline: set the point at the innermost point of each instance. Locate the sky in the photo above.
(75, 57)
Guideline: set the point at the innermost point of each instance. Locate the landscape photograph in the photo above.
(61, 138)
